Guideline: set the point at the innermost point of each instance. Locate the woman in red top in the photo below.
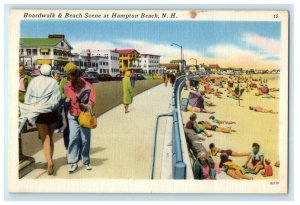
(79, 95)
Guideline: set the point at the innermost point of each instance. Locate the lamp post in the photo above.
(174, 44)
(195, 60)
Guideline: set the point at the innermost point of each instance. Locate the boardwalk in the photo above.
(121, 145)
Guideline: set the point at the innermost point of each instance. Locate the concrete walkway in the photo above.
(121, 145)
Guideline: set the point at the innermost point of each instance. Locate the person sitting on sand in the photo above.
(196, 102)
(216, 128)
(261, 109)
(231, 169)
(192, 124)
(203, 168)
(255, 159)
(268, 169)
(215, 150)
(218, 121)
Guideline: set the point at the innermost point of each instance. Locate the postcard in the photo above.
(148, 101)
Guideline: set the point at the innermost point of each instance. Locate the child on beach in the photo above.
(192, 124)
(216, 128)
(255, 161)
(268, 169)
(218, 121)
(231, 169)
(215, 150)
(261, 109)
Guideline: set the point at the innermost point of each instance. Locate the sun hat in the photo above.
(70, 67)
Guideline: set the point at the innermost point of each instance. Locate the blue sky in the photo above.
(206, 40)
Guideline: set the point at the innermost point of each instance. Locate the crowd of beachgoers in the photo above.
(201, 93)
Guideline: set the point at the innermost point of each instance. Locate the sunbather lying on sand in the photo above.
(216, 128)
(215, 150)
(221, 121)
(218, 93)
(261, 109)
(210, 104)
(274, 89)
(192, 124)
(231, 169)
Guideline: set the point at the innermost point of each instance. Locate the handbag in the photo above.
(87, 119)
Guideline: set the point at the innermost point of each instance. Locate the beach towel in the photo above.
(249, 171)
(267, 96)
(42, 96)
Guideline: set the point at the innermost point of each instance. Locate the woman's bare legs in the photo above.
(46, 133)
(232, 173)
(196, 109)
(237, 154)
(126, 108)
(225, 130)
(243, 176)
(258, 168)
(207, 133)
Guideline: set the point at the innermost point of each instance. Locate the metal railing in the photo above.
(180, 157)
(178, 164)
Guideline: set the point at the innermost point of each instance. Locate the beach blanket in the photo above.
(42, 96)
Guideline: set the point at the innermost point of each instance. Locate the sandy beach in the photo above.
(251, 126)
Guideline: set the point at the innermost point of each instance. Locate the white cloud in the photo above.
(231, 55)
(269, 45)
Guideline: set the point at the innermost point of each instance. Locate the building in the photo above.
(86, 61)
(54, 50)
(169, 67)
(129, 59)
(150, 63)
(230, 71)
(182, 64)
(113, 60)
(213, 68)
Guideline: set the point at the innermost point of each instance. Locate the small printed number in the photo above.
(273, 183)
(275, 16)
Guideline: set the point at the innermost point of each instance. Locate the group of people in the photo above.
(198, 100)
(204, 167)
(169, 77)
(42, 100)
(255, 158)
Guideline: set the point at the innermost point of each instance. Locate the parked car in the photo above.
(105, 77)
(140, 76)
(91, 77)
(119, 77)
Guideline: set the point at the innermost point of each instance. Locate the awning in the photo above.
(43, 61)
(44, 50)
